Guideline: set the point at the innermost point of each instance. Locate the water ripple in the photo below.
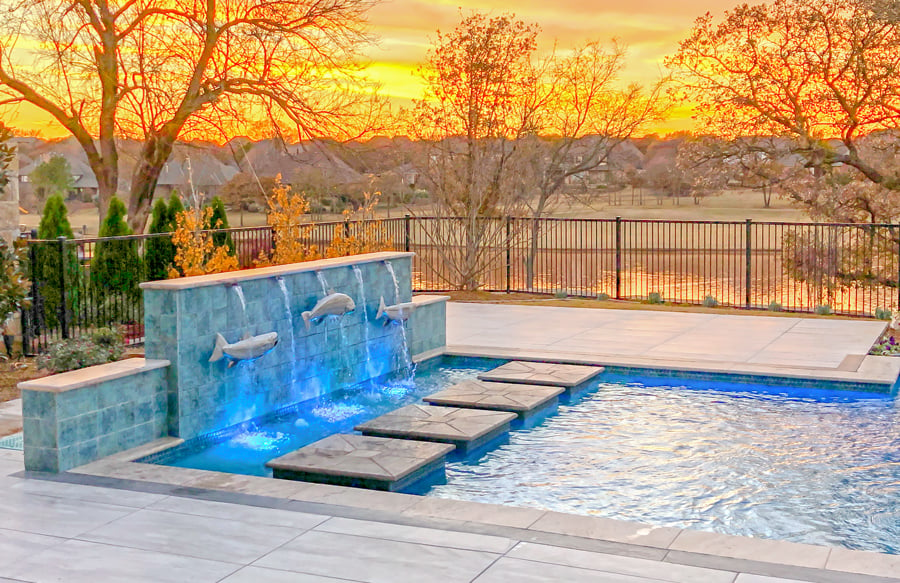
(800, 465)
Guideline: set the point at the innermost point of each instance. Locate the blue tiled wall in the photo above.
(181, 325)
(71, 428)
(428, 327)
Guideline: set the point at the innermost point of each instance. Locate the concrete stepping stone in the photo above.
(568, 376)
(467, 429)
(523, 400)
(376, 463)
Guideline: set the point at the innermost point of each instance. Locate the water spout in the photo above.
(323, 282)
(362, 296)
(404, 349)
(290, 317)
(245, 322)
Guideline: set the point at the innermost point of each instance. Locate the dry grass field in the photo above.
(732, 205)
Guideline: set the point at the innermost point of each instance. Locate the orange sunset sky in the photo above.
(650, 28)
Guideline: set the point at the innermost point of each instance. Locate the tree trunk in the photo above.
(154, 155)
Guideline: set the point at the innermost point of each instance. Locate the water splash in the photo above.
(337, 411)
(362, 296)
(245, 322)
(290, 317)
(404, 349)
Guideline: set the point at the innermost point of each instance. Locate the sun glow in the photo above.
(406, 29)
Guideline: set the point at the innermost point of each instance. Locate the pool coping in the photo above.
(879, 373)
(765, 557)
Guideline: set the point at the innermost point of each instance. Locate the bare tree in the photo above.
(478, 103)
(159, 70)
(580, 97)
(822, 74)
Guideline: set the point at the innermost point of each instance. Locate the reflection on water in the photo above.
(794, 464)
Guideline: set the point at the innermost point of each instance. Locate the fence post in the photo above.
(406, 225)
(508, 253)
(63, 304)
(618, 258)
(748, 257)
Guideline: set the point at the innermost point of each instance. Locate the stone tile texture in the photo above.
(359, 456)
(542, 373)
(496, 396)
(445, 424)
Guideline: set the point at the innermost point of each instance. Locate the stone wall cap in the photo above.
(425, 299)
(92, 375)
(231, 277)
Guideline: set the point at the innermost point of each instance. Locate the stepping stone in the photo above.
(467, 429)
(522, 400)
(542, 373)
(366, 462)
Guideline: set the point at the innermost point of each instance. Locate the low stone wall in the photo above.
(77, 417)
(182, 317)
(428, 326)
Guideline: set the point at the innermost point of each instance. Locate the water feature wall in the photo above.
(183, 316)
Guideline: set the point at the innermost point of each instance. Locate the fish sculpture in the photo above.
(396, 313)
(334, 304)
(247, 348)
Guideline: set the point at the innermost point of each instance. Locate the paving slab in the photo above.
(467, 429)
(542, 373)
(363, 461)
(523, 400)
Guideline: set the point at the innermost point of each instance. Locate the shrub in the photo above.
(367, 234)
(602, 297)
(55, 223)
(883, 313)
(710, 302)
(290, 229)
(116, 265)
(886, 347)
(101, 346)
(13, 287)
(159, 254)
(218, 219)
(195, 252)
(824, 310)
(560, 294)
(774, 306)
(655, 298)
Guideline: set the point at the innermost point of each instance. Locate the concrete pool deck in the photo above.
(813, 348)
(117, 520)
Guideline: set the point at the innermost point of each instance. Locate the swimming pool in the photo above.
(802, 464)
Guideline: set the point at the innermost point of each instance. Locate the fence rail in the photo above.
(849, 268)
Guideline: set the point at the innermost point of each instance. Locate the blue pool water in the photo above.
(805, 465)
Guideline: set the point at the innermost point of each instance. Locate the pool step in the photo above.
(362, 461)
(523, 400)
(467, 429)
(568, 376)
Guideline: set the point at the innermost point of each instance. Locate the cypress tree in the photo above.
(48, 263)
(219, 220)
(159, 252)
(116, 266)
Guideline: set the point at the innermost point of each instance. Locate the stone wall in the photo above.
(428, 326)
(182, 318)
(74, 418)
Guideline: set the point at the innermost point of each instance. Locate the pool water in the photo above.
(245, 449)
(805, 465)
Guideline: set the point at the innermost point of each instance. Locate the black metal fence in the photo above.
(845, 268)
